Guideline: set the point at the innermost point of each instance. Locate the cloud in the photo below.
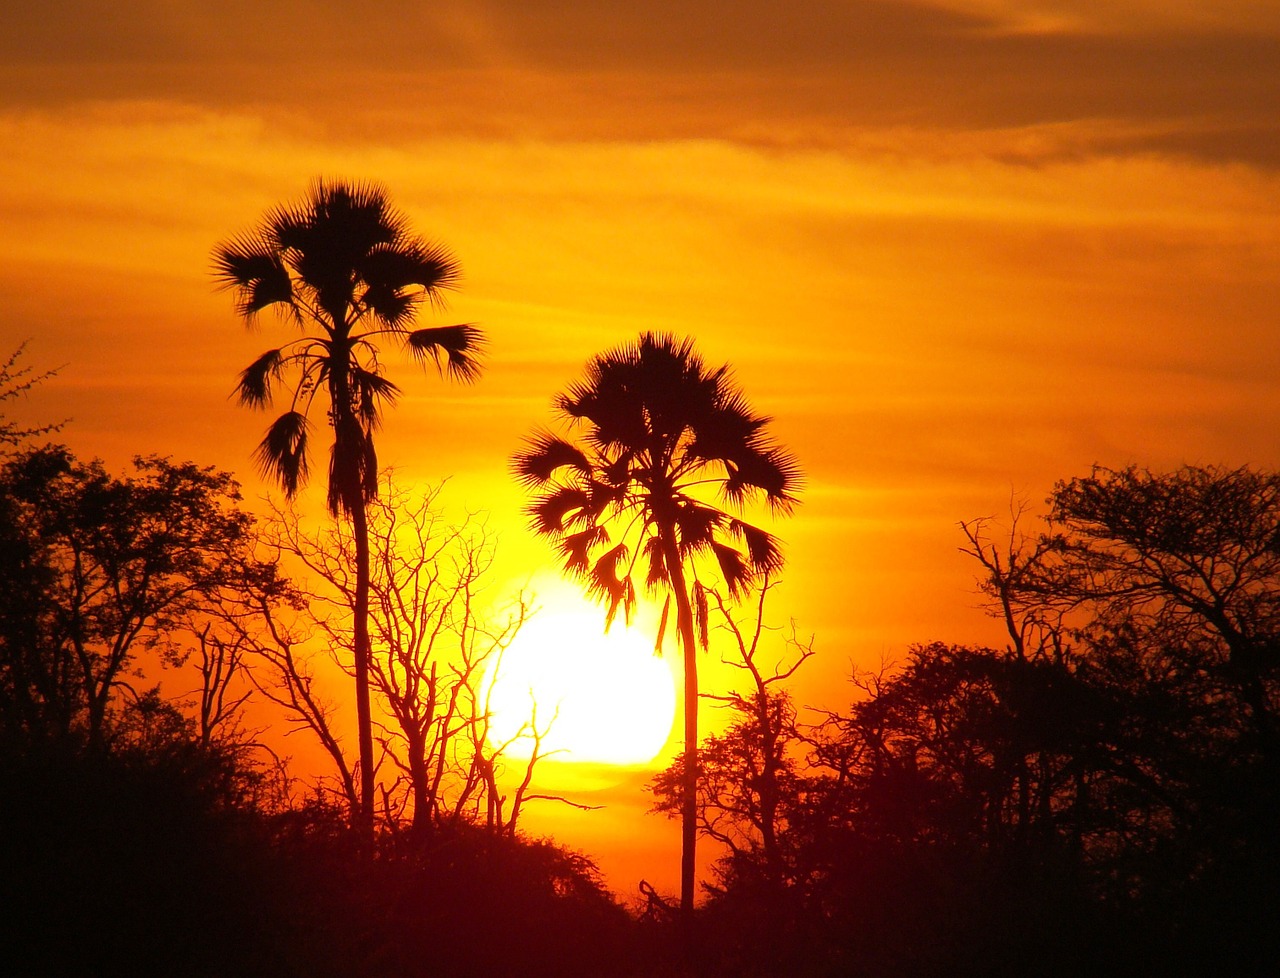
(1122, 16)
(822, 73)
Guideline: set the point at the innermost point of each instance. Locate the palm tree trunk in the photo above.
(364, 720)
(689, 807)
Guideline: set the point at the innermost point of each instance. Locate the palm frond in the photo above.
(662, 626)
(370, 390)
(369, 468)
(390, 305)
(604, 581)
(723, 431)
(697, 525)
(606, 494)
(255, 272)
(658, 575)
(702, 615)
(763, 548)
(734, 568)
(400, 274)
(562, 507)
(576, 548)
(610, 406)
(619, 472)
(353, 464)
(626, 600)
(459, 345)
(282, 454)
(411, 263)
(337, 216)
(254, 386)
(544, 455)
(770, 471)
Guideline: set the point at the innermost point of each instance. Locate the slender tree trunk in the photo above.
(364, 719)
(688, 642)
(347, 469)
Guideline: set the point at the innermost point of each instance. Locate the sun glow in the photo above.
(600, 697)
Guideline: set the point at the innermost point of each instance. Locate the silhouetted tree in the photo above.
(433, 644)
(94, 570)
(747, 777)
(1164, 588)
(1098, 796)
(16, 381)
(1194, 555)
(660, 435)
(343, 265)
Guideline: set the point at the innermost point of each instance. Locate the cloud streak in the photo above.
(819, 74)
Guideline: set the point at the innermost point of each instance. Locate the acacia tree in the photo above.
(1163, 591)
(342, 265)
(662, 441)
(17, 381)
(1185, 561)
(95, 570)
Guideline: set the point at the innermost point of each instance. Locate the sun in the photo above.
(602, 698)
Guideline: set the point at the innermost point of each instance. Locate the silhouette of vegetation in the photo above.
(17, 381)
(96, 571)
(344, 264)
(1098, 796)
(749, 771)
(432, 651)
(143, 834)
(662, 439)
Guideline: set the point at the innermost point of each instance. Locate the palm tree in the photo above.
(344, 267)
(661, 442)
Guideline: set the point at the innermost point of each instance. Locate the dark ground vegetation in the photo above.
(1098, 796)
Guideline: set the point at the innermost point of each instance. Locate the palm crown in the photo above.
(345, 261)
(661, 437)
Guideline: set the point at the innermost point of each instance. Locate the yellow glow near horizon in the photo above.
(601, 698)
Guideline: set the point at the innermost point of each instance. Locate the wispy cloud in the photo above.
(1175, 78)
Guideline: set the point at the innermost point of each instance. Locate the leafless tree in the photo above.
(747, 773)
(436, 646)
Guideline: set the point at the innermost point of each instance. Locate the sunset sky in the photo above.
(956, 249)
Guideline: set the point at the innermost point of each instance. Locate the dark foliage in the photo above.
(95, 572)
(132, 841)
(1097, 798)
(153, 863)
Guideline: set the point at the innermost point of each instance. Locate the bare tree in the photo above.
(344, 265)
(746, 775)
(436, 646)
(261, 633)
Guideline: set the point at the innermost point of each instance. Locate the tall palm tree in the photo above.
(661, 443)
(343, 266)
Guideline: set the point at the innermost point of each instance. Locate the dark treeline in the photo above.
(1097, 796)
(156, 834)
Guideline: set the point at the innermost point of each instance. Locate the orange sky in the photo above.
(958, 249)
